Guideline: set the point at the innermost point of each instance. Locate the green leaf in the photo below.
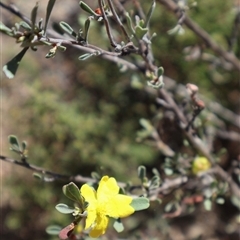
(53, 229)
(129, 23)
(67, 28)
(5, 29)
(24, 146)
(86, 8)
(140, 32)
(146, 124)
(13, 141)
(87, 25)
(142, 173)
(169, 207)
(155, 182)
(85, 56)
(168, 171)
(48, 13)
(34, 16)
(63, 208)
(207, 204)
(140, 203)
(220, 200)
(25, 26)
(150, 12)
(38, 176)
(72, 191)
(118, 226)
(11, 67)
(160, 71)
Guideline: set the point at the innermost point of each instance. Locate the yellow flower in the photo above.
(200, 164)
(105, 203)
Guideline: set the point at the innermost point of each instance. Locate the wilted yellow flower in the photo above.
(105, 203)
(200, 164)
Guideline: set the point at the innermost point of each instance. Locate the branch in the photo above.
(77, 178)
(229, 57)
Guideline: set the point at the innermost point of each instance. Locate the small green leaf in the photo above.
(150, 12)
(118, 226)
(85, 56)
(207, 204)
(155, 182)
(38, 176)
(53, 229)
(48, 13)
(67, 28)
(86, 8)
(25, 26)
(142, 173)
(72, 191)
(160, 71)
(11, 67)
(5, 29)
(140, 32)
(220, 200)
(87, 25)
(24, 146)
(34, 16)
(169, 207)
(146, 124)
(156, 83)
(129, 23)
(63, 208)
(13, 141)
(168, 171)
(140, 203)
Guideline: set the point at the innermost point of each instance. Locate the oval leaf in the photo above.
(140, 203)
(67, 28)
(63, 208)
(86, 8)
(53, 229)
(72, 191)
(118, 226)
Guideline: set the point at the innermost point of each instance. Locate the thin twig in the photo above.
(115, 15)
(14, 10)
(107, 25)
(229, 57)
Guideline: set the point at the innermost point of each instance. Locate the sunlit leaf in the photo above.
(63, 208)
(140, 203)
(118, 226)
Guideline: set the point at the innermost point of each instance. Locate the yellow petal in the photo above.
(100, 227)
(89, 195)
(107, 187)
(119, 206)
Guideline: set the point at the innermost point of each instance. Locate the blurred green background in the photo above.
(82, 116)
